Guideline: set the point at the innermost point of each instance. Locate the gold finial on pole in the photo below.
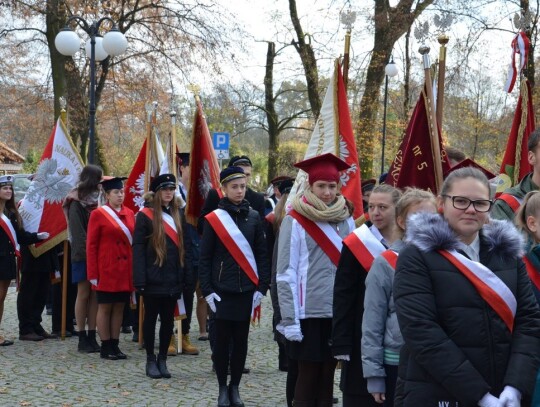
(196, 90)
(63, 112)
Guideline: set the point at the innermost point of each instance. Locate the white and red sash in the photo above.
(364, 245)
(5, 224)
(235, 242)
(391, 257)
(111, 215)
(168, 223)
(534, 275)
(325, 235)
(490, 287)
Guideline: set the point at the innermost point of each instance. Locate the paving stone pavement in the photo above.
(53, 373)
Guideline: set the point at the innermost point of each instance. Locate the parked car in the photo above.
(21, 182)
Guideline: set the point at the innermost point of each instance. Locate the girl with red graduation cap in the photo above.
(308, 252)
(109, 263)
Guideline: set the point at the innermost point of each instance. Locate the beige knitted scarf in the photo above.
(308, 205)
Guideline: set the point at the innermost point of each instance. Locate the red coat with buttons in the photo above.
(109, 257)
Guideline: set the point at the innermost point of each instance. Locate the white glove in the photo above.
(94, 282)
(257, 298)
(210, 298)
(43, 235)
(346, 358)
(489, 400)
(293, 333)
(510, 397)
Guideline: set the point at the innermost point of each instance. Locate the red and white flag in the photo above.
(57, 174)
(204, 174)
(134, 187)
(333, 133)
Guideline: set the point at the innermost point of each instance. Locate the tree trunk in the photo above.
(309, 62)
(390, 24)
(271, 114)
(55, 20)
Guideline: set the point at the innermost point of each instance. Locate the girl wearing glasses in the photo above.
(465, 306)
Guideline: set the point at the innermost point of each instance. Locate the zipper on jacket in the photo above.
(490, 346)
(239, 281)
(220, 270)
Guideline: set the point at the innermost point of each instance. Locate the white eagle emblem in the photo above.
(48, 184)
(138, 190)
(204, 183)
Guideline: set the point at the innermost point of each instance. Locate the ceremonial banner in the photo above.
(515, 164)
(134, 187)
(57, 174)
(333, 133)
(204, 174)
(413, 165)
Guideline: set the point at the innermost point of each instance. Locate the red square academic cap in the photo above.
(324, 167)
(470, 163)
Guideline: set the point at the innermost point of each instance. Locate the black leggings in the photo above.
(235, 333)
(164, 307)
(315, 382)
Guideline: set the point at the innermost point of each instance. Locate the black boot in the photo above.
(107, 351)
(223, 398)
(116, 350)
(152, 367)
(84, 346)
(162, 366)
(234, 396)
(92, 341)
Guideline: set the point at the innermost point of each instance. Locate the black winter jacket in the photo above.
(348, 312)
(151, 279)
(211, 203)
(457, 348)
(7, 251)
(218, 271)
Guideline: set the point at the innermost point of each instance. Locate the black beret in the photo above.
(230, 173)
(162, 181)
(240, 160)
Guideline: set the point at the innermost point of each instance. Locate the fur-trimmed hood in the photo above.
(430, 232)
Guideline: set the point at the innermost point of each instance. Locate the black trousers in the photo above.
(164, 307)
(31, 301)
(235, 333)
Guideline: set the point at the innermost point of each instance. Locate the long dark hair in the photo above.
(158, 239)
(11, 207)
(89, 180)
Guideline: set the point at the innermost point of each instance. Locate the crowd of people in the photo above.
(431, 300)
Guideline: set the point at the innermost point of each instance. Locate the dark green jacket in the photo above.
(501, 210)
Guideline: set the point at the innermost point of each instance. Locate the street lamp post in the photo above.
(390, 70)
(97, 49)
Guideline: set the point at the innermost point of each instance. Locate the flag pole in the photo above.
(146, 188)
(347, 19)
(172, 141)
(63, 117)
(443, 40)
(432, 119)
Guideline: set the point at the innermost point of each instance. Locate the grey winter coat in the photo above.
(380, 328)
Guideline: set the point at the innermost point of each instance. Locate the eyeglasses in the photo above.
(462, 203)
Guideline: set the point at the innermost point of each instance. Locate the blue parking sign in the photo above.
(220, 140)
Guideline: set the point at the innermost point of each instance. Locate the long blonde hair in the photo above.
(158, 239)
(529, 207)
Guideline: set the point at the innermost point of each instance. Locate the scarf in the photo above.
(308, 205)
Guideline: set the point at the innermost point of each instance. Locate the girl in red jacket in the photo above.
(109, 264)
